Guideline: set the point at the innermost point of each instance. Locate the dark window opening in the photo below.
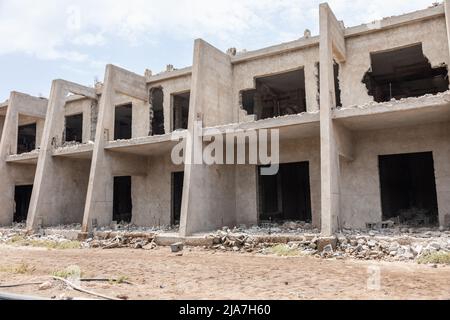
(26, 139)
(337, 86)
(122, 203)
(157, 111)
(122, 122)
(276, 95)
(181, 110)
(408, 188)
(286, 195)
(74, 128)
(22, 197)
(403, 73)
(177, 196)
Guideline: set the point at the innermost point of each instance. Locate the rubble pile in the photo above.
(393, 244)
(113, 240)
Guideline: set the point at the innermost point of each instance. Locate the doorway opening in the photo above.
(122, 202)
(286, 195)
(408, 188)
(22, 197)
(181, 110)
(74, 128)
(122, 122)
(177, 196)
(26, 138)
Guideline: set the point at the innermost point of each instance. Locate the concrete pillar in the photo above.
(208, 198)
(331, 39)
(99, 199)
(54, 176)
(9, 173)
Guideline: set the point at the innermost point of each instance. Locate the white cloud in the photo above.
(67, 29)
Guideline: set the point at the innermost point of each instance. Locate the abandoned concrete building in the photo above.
(363, 115)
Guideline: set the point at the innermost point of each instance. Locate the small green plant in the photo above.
(70, 272)
(23, 268)
(21, 241)
(435, 258)
(284, 250)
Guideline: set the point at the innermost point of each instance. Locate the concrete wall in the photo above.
(244, 74)
(360, 185)
(431, 33)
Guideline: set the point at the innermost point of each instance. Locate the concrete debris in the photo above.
(383, 244)
(176, 247)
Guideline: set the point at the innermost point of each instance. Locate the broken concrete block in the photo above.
(177, 247)
(323, 242)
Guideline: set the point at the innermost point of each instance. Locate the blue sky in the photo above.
(74, 39)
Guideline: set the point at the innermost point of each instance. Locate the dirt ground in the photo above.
(201, 274)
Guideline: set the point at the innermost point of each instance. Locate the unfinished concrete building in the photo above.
(363, 117)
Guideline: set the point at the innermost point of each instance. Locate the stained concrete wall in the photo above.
(360, 185)
(170, 87)
(244, 75)
(431, 33)
(152, 194)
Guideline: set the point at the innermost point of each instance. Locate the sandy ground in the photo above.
(201, 274)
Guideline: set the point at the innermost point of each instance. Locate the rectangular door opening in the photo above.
(122, 122)
(181, 110)
(122, 202)
(408, 188)
(26, 138)
(22, 197)
(286, 195)
(74, 128)
(177, 196)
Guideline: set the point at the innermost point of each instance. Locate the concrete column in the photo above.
(99, 199)
(9, 173)
(53, 175)
(209, 201)
(330, 191)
